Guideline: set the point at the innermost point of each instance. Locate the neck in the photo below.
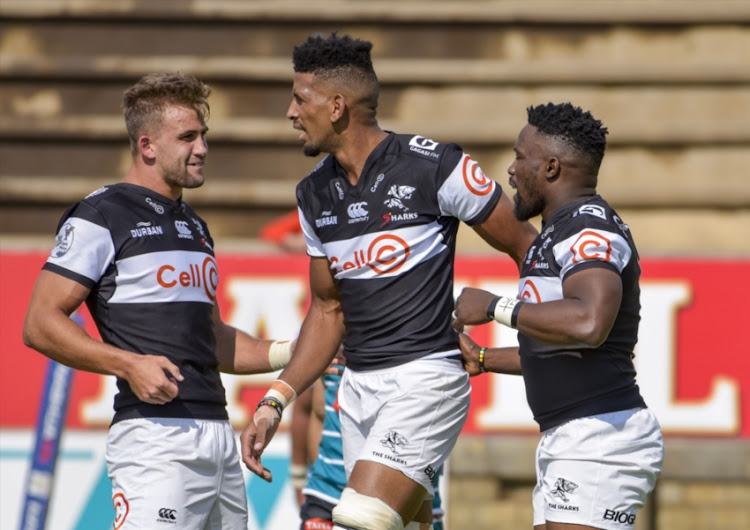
(355, 150)
(147, 177)
(563, 199)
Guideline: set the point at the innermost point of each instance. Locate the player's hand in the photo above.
(256, 436)
(469, 354)
(153, 378)
(471, 308)
(338, 363)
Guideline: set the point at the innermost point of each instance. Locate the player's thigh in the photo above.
(229, 511)
(598, 471)
(411, 417)
(162, 471)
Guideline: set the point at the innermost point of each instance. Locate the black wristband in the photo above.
(482, 369)
(514, 315)
(491, 308)
(271, 402)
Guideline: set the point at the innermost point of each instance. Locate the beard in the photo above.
(182, 177)
(525, 209)
(310, 150)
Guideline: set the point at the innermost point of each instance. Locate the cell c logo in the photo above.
(205, 275)
(475, 179)
(529, 291)
(121, 509)
(591, 245)
(387, 253)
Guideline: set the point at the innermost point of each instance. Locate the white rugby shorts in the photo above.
(598, 470)
(175, 473)
(407, 417)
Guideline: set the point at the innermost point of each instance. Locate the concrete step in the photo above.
(667, 12)
(630, 177)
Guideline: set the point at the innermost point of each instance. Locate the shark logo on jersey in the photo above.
(562, 487)
(64, 240)
(399, 194)
(393, 440)
(183, 230)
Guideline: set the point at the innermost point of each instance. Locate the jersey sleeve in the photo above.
(83, 246)
(592, 247)
(313, 242)
(467, 193)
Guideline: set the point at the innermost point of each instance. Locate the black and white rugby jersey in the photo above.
(150, 265)
(390, 241)
(565, 383)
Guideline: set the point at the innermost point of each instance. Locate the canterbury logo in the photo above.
(357, 210)
(168, 513)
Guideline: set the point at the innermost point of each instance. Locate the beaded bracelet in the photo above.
(482, 369)
(271, 402)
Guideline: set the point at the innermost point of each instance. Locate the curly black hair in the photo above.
(576, 127)
(342, 60)
(327, 53)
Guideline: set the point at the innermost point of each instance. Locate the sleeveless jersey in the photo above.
(564, 383)
(390, 242)
(150, 265)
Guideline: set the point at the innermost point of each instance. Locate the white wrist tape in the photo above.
(282, 391)
(506, 311)
(279, 354)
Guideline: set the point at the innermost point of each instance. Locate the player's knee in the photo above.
(360, 512)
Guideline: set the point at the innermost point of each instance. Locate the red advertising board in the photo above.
(692, 357)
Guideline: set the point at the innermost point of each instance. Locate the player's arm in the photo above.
(504, 232)
(583, 317)
(49, 329)
(320, 336)
(497, 360)
(240, 353)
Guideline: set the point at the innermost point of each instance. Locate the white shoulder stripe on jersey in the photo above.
(465, 193)
(388, 253)
(314, 245)
(83, 247)
(538, 289)
(592, 245)
(170, 276)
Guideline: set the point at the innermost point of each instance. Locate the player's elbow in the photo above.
(31, 334)
(591, 332)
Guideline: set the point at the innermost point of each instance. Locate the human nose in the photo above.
(201, 147)
(291, 111)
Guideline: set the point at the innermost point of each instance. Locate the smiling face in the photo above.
(180, 147)
(527, 173)
(310, 113)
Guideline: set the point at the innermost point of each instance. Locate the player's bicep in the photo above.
(599, 292)
(55, 292)
(322, 284)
